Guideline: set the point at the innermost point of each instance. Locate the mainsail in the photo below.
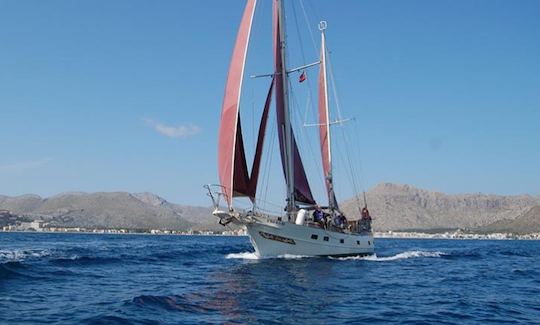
(324, 125)
(302, 191)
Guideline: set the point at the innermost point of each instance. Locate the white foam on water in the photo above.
(243, 256)
(399, 256)
(17, 255)
(253, 256)
(374, 257)
(292, 257)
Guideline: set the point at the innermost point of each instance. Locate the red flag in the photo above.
(302, 77)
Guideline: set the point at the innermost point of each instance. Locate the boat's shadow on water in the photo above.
(280, 290)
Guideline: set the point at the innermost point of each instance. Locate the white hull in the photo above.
(282, 238)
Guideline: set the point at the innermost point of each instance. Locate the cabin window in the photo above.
(325, 238)
(368, 242)
(314, 236)
(342, 241)
(358, 242)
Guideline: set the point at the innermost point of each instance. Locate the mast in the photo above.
(289, 154)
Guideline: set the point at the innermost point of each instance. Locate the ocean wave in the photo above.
(18, 255)
(173, 303)
(399, 256)
(85, 260)
(111, 319)
(10, 269)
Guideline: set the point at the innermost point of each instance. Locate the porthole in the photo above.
(342, 241)
(358, 242)
(326, 238)
(368, 242)
(314, 237)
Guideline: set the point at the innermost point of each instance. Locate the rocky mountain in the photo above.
(393, 207)
(111, 210)
(528, 222)
(404, 207)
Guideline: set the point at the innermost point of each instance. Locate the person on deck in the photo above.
(340, 221)
(344, 221)
(319, 217)
(366, 219)
(365, 214)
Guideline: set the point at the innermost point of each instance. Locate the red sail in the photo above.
(302, 192)
(231, 158)
(324, 127)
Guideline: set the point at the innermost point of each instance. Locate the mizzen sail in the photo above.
(324, 126)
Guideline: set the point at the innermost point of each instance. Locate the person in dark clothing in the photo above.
(340, 221)
(319, 217)
(365, 214)
(366, 220)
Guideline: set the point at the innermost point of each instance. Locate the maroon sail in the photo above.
(324, 127)
(302, 192)
(260, 141)
(232, 168)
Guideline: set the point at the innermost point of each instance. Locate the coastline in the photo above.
(457, 235)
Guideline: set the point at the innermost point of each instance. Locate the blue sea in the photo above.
(143, 279)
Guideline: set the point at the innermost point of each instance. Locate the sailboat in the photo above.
(304, 227)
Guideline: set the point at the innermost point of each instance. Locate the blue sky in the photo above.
(126, 95)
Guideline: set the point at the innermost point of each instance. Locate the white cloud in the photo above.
(24, 165)
(180, 131)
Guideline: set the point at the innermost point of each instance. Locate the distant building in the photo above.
(36, 225)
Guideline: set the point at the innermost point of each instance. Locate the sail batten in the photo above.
(232, 167)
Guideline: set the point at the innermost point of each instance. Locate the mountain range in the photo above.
(393, 207)
(135, 211)
(405, 207)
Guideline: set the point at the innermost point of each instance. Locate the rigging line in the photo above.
(252, 118)
(268, 203)
(359, 155)
(308, 26)
(348, 171)
(299, 35)
(354, 180)
(353, 170)
(308, 103)
(356, 145)
(334, 89)
(305, 138)
(300, 41)
(356, 141)
(268, 161)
